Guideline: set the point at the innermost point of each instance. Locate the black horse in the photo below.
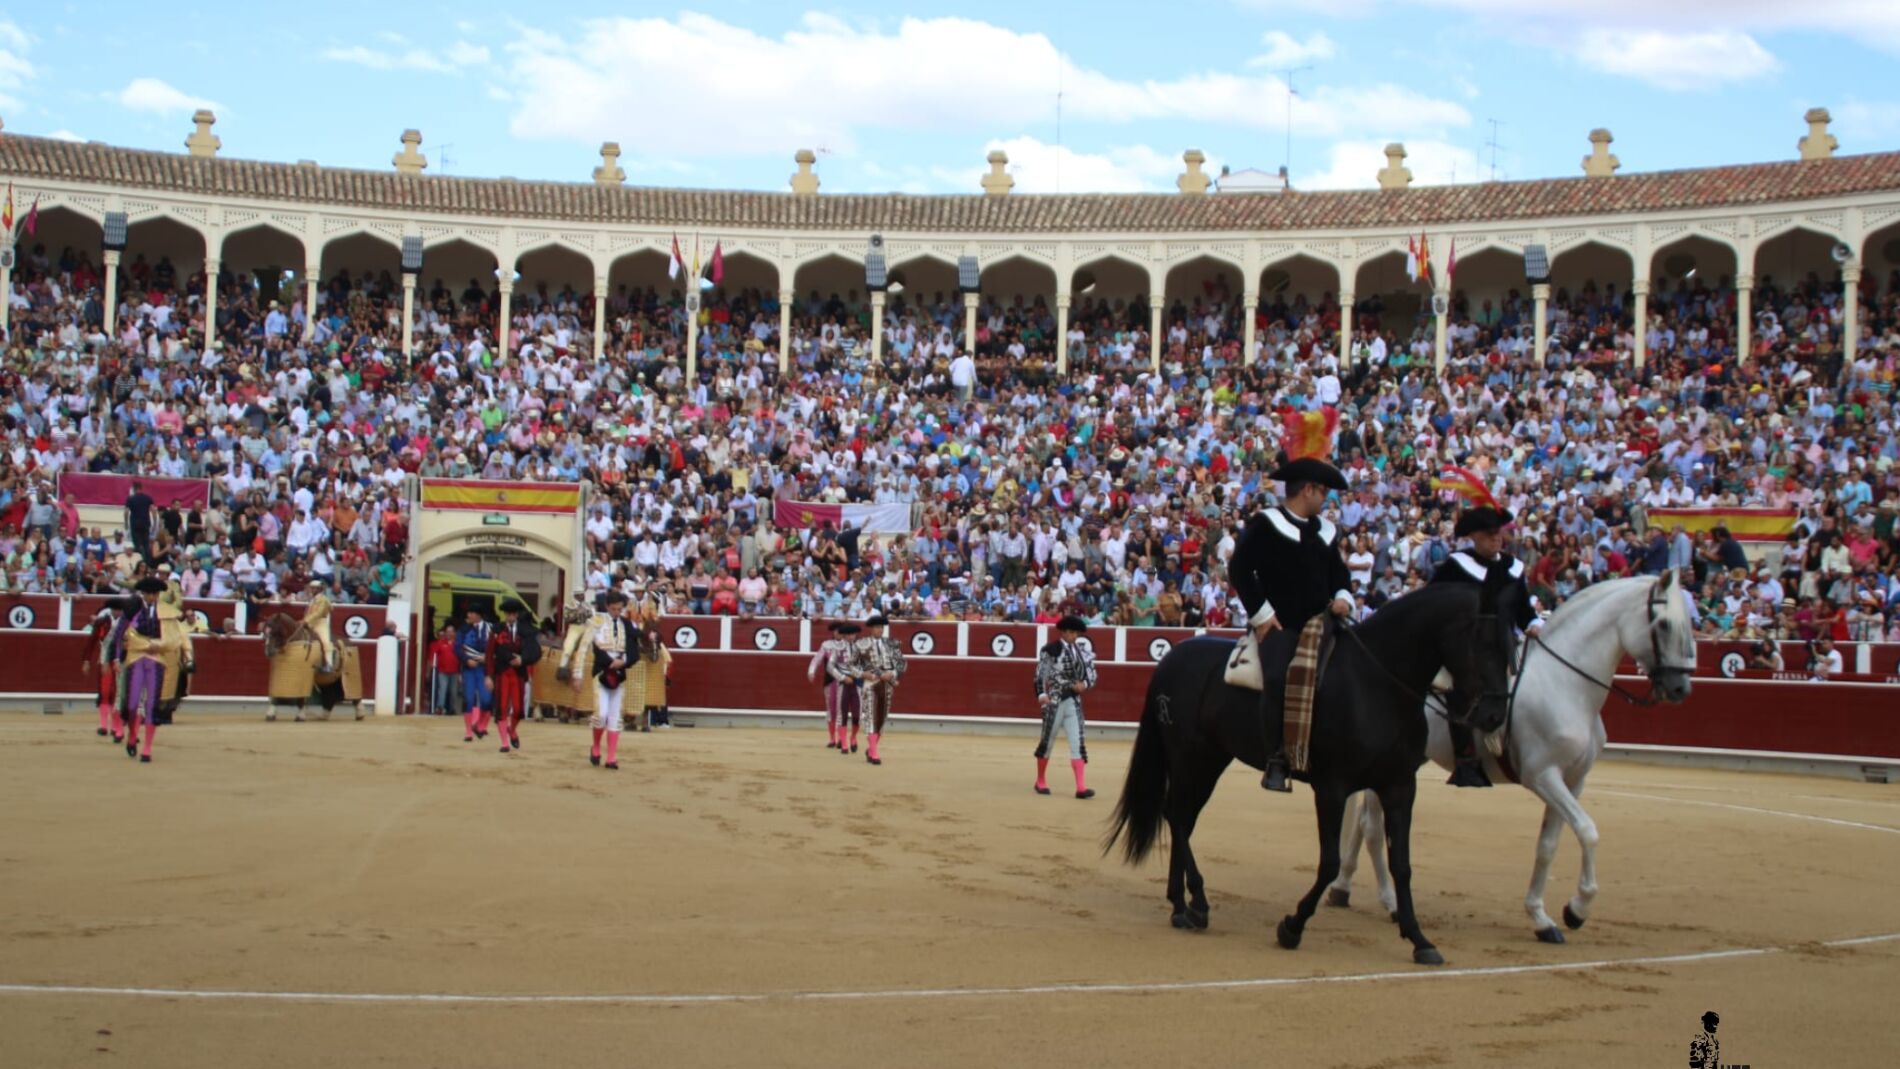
(1368, 733)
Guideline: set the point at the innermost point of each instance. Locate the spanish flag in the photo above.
(482, 495)
(1743, 524)
(6, 215)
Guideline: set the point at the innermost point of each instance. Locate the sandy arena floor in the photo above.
(344, 859)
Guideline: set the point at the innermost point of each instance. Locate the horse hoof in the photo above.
(1180, 920)
(1427, 956)
(1571, 918)
(1394, 915)
(1289, 935)
(1550, 935)
(1197, 919)
(1337, 897)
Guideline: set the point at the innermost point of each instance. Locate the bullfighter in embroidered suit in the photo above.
(1064, 672)
(879, 665)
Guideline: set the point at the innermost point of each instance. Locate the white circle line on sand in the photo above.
(1890, 830)
(426, 998)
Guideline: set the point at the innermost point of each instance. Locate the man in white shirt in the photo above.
(963, 376)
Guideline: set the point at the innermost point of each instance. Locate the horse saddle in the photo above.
(1294, 663)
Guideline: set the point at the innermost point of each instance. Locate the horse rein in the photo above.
(1655, 653)
(1442, 707)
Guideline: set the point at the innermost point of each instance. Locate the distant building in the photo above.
(1251, 180)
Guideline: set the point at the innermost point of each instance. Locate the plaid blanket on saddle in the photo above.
(1302, 683)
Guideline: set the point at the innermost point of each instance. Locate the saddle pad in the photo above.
(1302, 683)
(1243, 665)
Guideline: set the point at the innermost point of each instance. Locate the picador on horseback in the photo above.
(1483, 524)
(1287, 569)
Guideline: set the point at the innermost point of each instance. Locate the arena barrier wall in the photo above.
(981, 669)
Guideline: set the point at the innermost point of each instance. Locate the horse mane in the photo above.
(1578, 605)
(1399, 611)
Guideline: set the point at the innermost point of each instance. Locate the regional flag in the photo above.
(1411, 259)
(1451, 263)
(33, 218)
(718, 268)
(674, 259)
(1424, 257)
(813, 515)
(6, 214)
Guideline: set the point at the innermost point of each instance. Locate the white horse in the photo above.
(1555, 731)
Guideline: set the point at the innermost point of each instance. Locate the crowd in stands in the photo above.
(1109, 492)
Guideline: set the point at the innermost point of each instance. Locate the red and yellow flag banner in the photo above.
(1308, 434)
(1744, 524)
(483, 495)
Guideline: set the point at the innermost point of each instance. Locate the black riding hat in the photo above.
(1481, 518)
(512, 605)
(1072, 623)
(150, 585)
(1310, 470)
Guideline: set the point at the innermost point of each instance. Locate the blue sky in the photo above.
(720, 95)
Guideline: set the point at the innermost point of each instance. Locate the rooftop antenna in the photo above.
(1493, 146)
(1291, 92)
(443, 154)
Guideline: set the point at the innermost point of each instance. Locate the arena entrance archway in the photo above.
(497, 539)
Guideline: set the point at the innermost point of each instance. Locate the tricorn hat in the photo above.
(1310, 470)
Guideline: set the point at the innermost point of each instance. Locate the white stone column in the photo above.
(112, 291)
(212, 267)
(785, 298)
(1155, 303)
(1640, 318)
(408, 314)
(1744, 317)
(507, 300)
(1540, 322)
(600, 316)
(969, 323)
(1346, 299)
(1439, 355)
(877, 331)
(1062, 333)
(1249, 311)
(310, 273)
(6, 302)
(692, 335)
(1850, 315)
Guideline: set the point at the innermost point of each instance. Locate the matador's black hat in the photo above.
(1481, 519)
(512, 605)
(847, 628)
(150, 585)
(877, 620)
(1072, 623)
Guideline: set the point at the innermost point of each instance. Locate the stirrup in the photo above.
(1275, 777)
(1469, 772)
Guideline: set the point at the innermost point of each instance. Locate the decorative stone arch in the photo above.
(1789, 254)
(1488, 270)
(832, 271)
(1879, 251)
(552, 536)
(1767, 230)
(1097, 270)
(1288, 262)
(749, 269)
(556, 241)
(188, 243)
(1593, 260)
(1020, 274)
(925, 273)
(64, 225)
(1694, 249)
(320, 258)
(808, 255)
(266, 223)
(547, 255)
(147, 212)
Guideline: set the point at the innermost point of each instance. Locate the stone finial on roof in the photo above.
(805, 182)
(609, 172)
(203, 142)
(1193, 183)
(1395, 175)
(1599, 163)
(1819, 144)
(998, 183)
(410, 160)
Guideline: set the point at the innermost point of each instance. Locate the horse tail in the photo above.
(1138, 814)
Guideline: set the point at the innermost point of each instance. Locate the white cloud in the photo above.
(825, 82)
(1698, 60)
(15, 69)
(160, 98)
(459, 54)
(1868, 119)
(1039, 167)
(65, 135)
(1284, 51)
(1356, 165)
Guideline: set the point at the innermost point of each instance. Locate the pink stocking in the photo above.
(1080, 783)
(468, 726)
(1042, 773)
(105, 715)
(481, 720)
(151, 732)
(613, 747)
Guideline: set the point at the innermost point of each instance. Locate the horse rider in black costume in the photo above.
(1287, 569)
(1484, 526)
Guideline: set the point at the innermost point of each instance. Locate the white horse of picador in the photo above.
(1554, 734)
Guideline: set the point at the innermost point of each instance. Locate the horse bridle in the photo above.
(1442, 707)
(1656, 665)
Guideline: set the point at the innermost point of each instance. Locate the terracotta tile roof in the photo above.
(1741, 184)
